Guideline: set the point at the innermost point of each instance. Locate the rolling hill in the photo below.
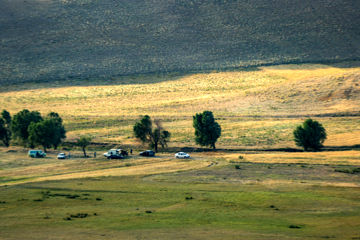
(47, 40)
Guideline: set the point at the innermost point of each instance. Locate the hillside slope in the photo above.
(46, 40)
(259, 108)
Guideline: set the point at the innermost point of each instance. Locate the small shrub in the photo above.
(348, 170)
(237, 167)
(72, 196)
(189, 198)
(38, 200)
(79, 215)
(294, 226)
(148, 211)
(241, 157)
(67, 218)
(98, 199)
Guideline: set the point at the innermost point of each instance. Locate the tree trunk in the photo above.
(84, 151)
(213, 145)
(156, 147)
(44, 149)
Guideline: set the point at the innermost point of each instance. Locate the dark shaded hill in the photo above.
(56, 39)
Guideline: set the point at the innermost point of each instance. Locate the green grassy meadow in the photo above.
(260, 196)
(161, 207)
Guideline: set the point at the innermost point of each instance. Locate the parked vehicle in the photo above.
(61, 156)
(148, 153)
(182, 155)
(36, 154)
(115, 154)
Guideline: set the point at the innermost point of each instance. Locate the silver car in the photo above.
(61, 156)
(182, 155)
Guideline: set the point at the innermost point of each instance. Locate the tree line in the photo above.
(310, 135)
(30, 129)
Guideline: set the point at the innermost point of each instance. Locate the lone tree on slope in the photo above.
(207, 130)
(144, 131)
(83, 142)
(310, 135)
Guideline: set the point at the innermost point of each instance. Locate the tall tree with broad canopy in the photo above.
(41, 133)
(58, 130)
(145, 132)
(310, 135)
(49, 132)
(207, 130)
(20, 124)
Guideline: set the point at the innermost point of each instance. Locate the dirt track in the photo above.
(154, 167)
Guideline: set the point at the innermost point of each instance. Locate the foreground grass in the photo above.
(212, 196)
(131, 208)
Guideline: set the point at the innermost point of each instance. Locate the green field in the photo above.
(269, 196)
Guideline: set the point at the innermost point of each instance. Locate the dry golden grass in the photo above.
(331, 158)
(52, 169)
(108, 111)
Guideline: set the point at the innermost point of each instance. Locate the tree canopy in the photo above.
(49, 132)
(310, 135)
(21, 122)
(145, 132)
(207, 130)
(5, 131)
(58, 130)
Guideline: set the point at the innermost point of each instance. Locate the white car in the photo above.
(182, 155)
(61, 156)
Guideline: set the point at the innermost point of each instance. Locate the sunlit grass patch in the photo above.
(108, 110)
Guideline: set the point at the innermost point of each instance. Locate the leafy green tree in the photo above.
(5, 134)
(7, 117)
(310, 135)
(144, 131)
(41, 133)
(20, 124)
(5, 131)
(83, 142)
(58, 130)
(207, 130)
(49, 132)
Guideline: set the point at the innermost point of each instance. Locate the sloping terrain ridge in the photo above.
(46, 40)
